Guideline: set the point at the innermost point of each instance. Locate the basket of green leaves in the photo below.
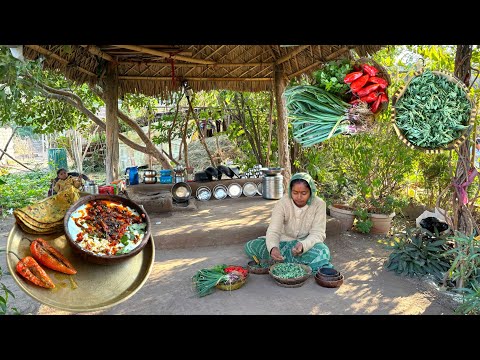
(290, 274)
(433, 112)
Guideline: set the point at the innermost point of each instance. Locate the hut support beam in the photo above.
(111, 104)
(284, 154)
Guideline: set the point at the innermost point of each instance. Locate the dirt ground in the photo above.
(368, 288)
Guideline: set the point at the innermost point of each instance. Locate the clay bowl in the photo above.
(71, 230)
(291, 281)
(328, 273)
(266, 263)
(328, 283)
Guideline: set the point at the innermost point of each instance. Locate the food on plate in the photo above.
(29, 268)
(108, 228)
(47, 255)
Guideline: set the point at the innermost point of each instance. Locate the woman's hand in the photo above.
(297, 249)
(275, 254)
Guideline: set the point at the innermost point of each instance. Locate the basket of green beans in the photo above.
(433, 112)
(290, 273)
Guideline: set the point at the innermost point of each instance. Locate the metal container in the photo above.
(272, 187)
(150, 180)
(90, 187)
(150, 173)
(203, 193)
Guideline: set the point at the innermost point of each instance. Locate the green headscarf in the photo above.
(309, 180)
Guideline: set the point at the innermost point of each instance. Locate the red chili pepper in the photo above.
(352, 77)
(359, 83)
(377, 80)
(31, 270)
(376, 105)
(367, 90)
(47, 255)
(384, 97)
(370, 97)
(370, 70)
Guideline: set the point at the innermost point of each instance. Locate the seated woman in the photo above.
(65, 180)
(297, 228)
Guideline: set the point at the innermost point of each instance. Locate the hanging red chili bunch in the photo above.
(367, 87)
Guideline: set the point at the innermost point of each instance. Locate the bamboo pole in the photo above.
(92, 49)
(150, 63)
(169, 78)
(291, 54)
(51, 54)
(165, 54)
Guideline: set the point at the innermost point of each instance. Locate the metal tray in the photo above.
(94, 287)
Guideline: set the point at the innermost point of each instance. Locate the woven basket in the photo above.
(233, 286)
(293, 281)
(259, 270)
(454, 144)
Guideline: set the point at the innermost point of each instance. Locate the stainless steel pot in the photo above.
(150, 180)
(150, 173)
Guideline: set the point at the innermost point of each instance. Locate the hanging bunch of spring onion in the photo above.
(317, 115)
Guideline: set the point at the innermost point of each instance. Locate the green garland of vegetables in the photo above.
(433, 111)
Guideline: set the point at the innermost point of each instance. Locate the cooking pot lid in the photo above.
(204, 193)
(220, 192)
(259, 188)
(234, 190)
(249, 189)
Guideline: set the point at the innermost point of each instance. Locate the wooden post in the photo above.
(111, 104)
(283, 153)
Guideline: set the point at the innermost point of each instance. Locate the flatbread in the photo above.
(52, 209)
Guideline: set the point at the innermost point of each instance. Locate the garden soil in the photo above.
(368, 288)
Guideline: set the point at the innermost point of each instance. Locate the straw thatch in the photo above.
(156, 70)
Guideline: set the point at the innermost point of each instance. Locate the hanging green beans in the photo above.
(317, 115)
(433, 111)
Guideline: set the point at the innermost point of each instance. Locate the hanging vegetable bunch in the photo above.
(367, 87)
(205, 280)
(317, 114)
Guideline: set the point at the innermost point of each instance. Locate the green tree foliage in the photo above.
(24, 104)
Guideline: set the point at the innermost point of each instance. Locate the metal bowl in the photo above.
(150, 173)
(234, 190)
(181, 191)
(259, 188)
(220, 192)
(250, 189)
(71, 229)
(204, 193)
(272, 171)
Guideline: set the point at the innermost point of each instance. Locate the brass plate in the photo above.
(94, 287)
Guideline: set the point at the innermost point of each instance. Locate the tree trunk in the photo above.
(270, 125)
(462, 72)
(200, 134)
(111, 104)
(284, 156)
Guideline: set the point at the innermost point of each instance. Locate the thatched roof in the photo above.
(149, 69)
